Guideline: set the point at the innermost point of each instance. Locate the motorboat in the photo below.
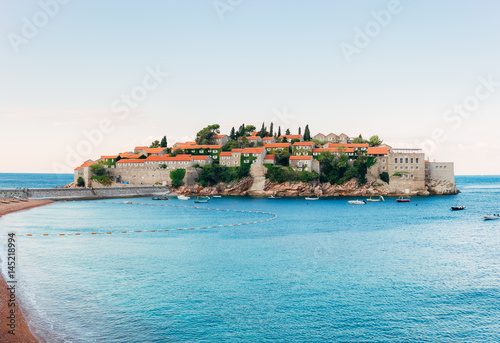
(183, 197)
(127, 202)
(202, 200)
(357, 202)
(380, 198)
(312, 198)
(403, 199)
(492, 216)
(274, 197)
(216, 196)
(457, 207)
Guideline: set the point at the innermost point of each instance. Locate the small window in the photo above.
(411, 160)
(406, 159)
(401, 160)
(416, 160)
(396, 160)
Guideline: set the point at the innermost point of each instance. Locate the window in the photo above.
(396, 160)
(254, 161)
(411, 160)
(401, 160)
(300, 164)
(406, 167)
(411, 176)
(383, 161)
(299, 147)
(246, 155)
(416, 167)
(246, 161)
(255, 155)
(416, 160)
(411, 167)
(383, 168)
(406, 159)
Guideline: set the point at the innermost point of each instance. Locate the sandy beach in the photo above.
(22, 332)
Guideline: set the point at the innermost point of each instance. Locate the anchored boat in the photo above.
(183, 197)
(492, 216)
(403, 199)
(357, 202)
(312, 198)
(380, 198)
(202, 200)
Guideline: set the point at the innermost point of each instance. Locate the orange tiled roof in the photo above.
(219, 136)
(290, 136)
(303, 144)
(378, 151)
(140, 148)
(267, 138)
(200, 157)
(131, 161)
(132, 156)
(198, 147)
(253, 150)
(334, 150)
(278, 145)
(253, 138)
(169, 158)
(85, 164)
(154, 150)
(349, 145)
(225, 153)
(255, 133)
(109, 157)
(300, 157)
(237, 150)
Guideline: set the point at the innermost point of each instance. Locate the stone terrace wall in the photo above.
(83, 193)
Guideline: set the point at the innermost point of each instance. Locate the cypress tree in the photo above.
(279, 131)
(271, 130)
(307, 133)
(287, 132)
(232, 135)
(163, 143)
(300, 131)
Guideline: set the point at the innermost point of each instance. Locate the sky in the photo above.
(81, 79)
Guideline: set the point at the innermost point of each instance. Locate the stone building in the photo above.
(302, 148)
(304, 163)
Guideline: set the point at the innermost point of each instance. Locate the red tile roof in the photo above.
(225, 153)
(300, 157)
(169, 158)
(200, 157)
(334, 150)
(253, 150)
(269, 157)
(132, 156)
(278, 145)
(198, 147)
(131, 161)
(378, 151)
(267, 138)
(350, 145)
(303, 144)
(140, 148)
(290, 136)
(255, 133)
(237, 150)
(253, 138)
(154, 150)
(219, 136)
(85, 164)
(109, 157)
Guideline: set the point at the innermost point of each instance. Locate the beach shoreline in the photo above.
(22, 331)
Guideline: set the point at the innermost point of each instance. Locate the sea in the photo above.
(33, 180)
(290, 270)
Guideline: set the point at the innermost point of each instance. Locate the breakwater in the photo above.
(82, 193)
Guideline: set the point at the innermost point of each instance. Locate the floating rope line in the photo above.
(161, 230)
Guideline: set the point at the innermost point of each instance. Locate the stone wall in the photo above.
(83, 193)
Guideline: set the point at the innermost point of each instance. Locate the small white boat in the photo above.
(380, 198)
(127, 202)
(273, 197)
(311, 198)
(403, 199)
(357, 202)
(492, 216)
(183, 197)
(216, 196)
(202, 200)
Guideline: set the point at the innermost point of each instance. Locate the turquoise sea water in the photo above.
(323, 271)
(27, 180)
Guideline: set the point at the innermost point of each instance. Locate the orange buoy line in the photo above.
(165, 230)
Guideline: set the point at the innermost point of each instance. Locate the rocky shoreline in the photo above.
(301, 189)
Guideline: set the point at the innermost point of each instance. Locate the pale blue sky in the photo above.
(264, 57)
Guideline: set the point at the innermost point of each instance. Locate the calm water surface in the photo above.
(25, 180)
(323, 271)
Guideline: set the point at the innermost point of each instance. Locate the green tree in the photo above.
(359, 140)
(155, 144)
(249, 129)
(263, 131)
(80, 182)
(98, 169)
(282, 157)
(205, 135)
(307, 134)
(375, 141)
(232, 135)
(177, 177)
(287, 132)
(270, 130)
(163, 143)
(279, 132)
(300, 130)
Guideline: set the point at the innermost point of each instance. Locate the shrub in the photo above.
(384, 177)
(177, 177)
(98, 169)
(80, 182)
